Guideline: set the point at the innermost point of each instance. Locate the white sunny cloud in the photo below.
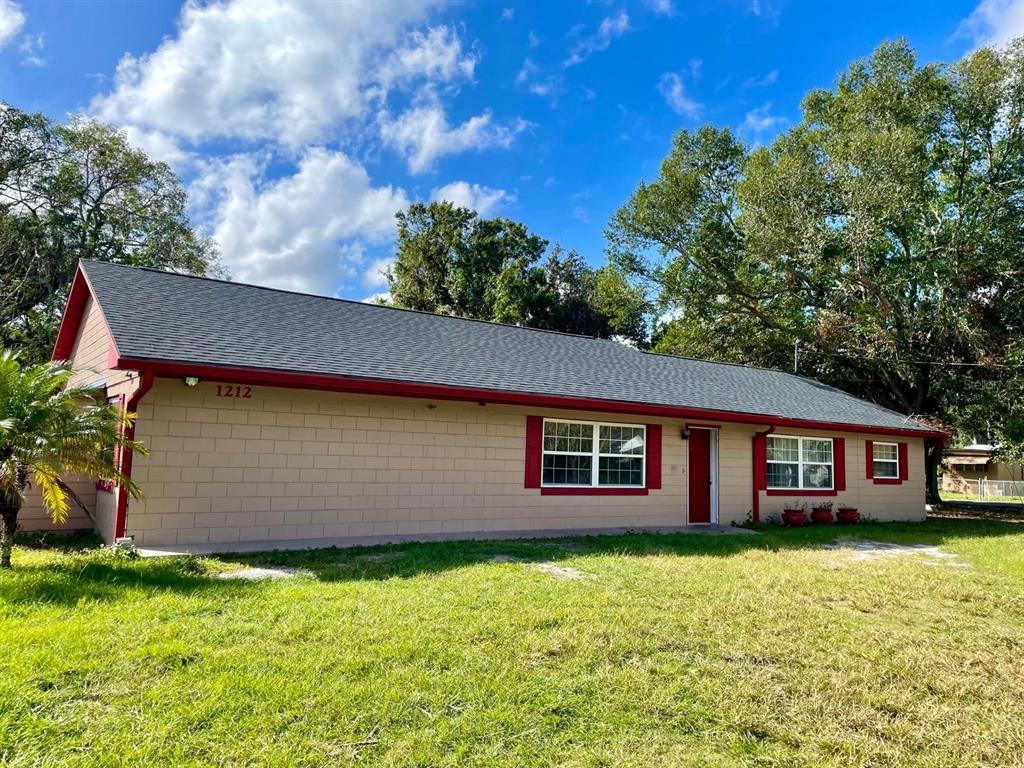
(12, 19)
(762, 81)
(673, 90)
(761, 119)
(294, 73)
(422, 135)
(376, 273)
(31, 50)
(308, 231)
(662, 7)
(994, 22)
(610, 28)
(481, 199)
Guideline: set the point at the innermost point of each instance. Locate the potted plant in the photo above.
(848, 515)
(794, 516)
(821, 514)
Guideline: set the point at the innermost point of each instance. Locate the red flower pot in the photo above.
(822, 515)
(794, 517)
(848, 515)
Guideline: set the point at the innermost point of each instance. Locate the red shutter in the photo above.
(760, 462)
(653, 470)
(869, 459)
(534, 444)
(839, 462)
(904, 463)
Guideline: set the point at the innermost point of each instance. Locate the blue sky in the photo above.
(299, 129)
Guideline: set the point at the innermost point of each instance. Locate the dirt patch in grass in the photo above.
(865, 549)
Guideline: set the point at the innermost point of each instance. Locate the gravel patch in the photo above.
(859, 550)
(259, 574)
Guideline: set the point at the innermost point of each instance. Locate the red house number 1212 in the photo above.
(234, 390)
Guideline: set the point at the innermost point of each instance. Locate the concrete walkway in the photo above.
(369, 541)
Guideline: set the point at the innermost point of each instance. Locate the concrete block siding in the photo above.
(296, 464)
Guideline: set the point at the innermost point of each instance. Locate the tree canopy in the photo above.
(884, 234)
(79, 191)
(452, 261)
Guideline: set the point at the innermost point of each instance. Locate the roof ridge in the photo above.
(224, 281)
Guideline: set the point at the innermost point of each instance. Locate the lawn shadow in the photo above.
(104, 575)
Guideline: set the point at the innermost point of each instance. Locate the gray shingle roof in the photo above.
(163, 316)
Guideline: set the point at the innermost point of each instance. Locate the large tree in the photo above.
(450, 260)
(79, 191)
(883, 235)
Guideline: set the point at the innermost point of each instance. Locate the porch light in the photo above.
(191, 381)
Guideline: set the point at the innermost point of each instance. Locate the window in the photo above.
(885, 460)
(587, 454)
(803, 463)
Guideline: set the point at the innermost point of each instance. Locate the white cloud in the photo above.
(376, 273)
(994, 22)
(760, 119)
(673, 90)
(481, 199)
(662, 7)
(529, 77)
(610, 28)
(31, 50)
(580, 214)
(422, 135)
(12, 19)
(760, 81)
(289, 72)
(533, 39)
(307, 231)
(507, 14)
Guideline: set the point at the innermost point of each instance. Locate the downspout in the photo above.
(120, 520)
(756, 506)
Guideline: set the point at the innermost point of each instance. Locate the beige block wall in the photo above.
(89, 357)
(298, 464)
(905, 501)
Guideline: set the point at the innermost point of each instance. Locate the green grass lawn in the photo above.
(680, 650)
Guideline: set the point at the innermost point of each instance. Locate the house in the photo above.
(272, 416)
(964, 467)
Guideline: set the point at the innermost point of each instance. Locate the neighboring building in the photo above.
(963, 467)
(273, 416)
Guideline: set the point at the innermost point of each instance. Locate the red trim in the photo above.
(839, 463)
(759, 453)
(120, 521)
(653, 469)
(799, 492)
(591, 491)
(71, 322)
(869, 464)
(534, 444)
(498, 397)
(703, 426)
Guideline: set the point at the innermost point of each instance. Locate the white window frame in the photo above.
(595, 453)
(895, 462)
(801, 463)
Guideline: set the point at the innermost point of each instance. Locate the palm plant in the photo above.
(49, 430)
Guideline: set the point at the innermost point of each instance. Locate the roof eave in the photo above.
(397, 388)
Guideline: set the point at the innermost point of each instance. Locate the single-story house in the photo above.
(272, 416)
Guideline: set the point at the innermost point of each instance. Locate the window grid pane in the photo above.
(885, 469)
(592, 454)
(801, 463)
(620, 470)
(886, 452)
(562, 469)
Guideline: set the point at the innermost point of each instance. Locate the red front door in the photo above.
(700, 476)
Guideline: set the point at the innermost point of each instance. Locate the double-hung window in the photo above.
(593, 455)
(885, 461)
(801, 463)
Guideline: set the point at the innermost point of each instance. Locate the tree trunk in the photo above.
(8, 525)
(932, 459)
